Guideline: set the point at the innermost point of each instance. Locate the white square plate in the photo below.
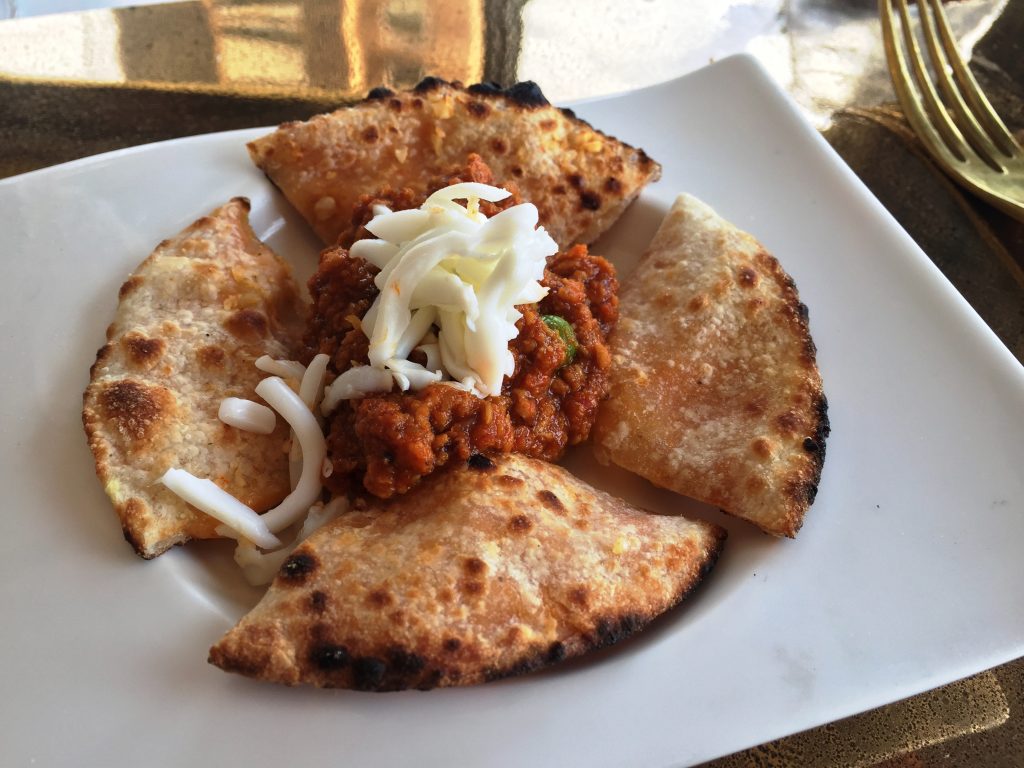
(907, 574)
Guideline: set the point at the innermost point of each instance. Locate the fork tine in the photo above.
(945, 141)
(954, 139)
(982, 108)
(965, 120)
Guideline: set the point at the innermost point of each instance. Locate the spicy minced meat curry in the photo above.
(387, 442)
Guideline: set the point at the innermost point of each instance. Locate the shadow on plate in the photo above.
(624, 243)
(283, 229)
(206, 570)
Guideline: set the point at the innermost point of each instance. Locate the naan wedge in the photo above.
(495, 568)
(715, 393)
(580, 179)
(190, 322)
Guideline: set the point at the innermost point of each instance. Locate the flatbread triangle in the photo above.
(580, 179)
(715, 390)
(190, 322)
(498, 567)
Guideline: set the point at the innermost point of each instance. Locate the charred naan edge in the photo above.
(715, 392)
(189, 324)
(495, 568)
(580, 179)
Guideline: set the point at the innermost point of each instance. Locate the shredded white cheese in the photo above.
(447, 266)
(312, 387)
(256, 532)
(314, 449)
(286, 369)
(311, 391)
(260, 567)
(247, 415)
(353, 383)
(218, 503)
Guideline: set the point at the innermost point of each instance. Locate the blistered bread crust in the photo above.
(190, 322)
(494, 568)
(580, 179)
(715, 392)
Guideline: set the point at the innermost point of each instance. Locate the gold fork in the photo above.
(964, 134)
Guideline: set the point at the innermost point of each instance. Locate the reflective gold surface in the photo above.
(78, 84)
(825, 52)
(892, 733)
(320, 50)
